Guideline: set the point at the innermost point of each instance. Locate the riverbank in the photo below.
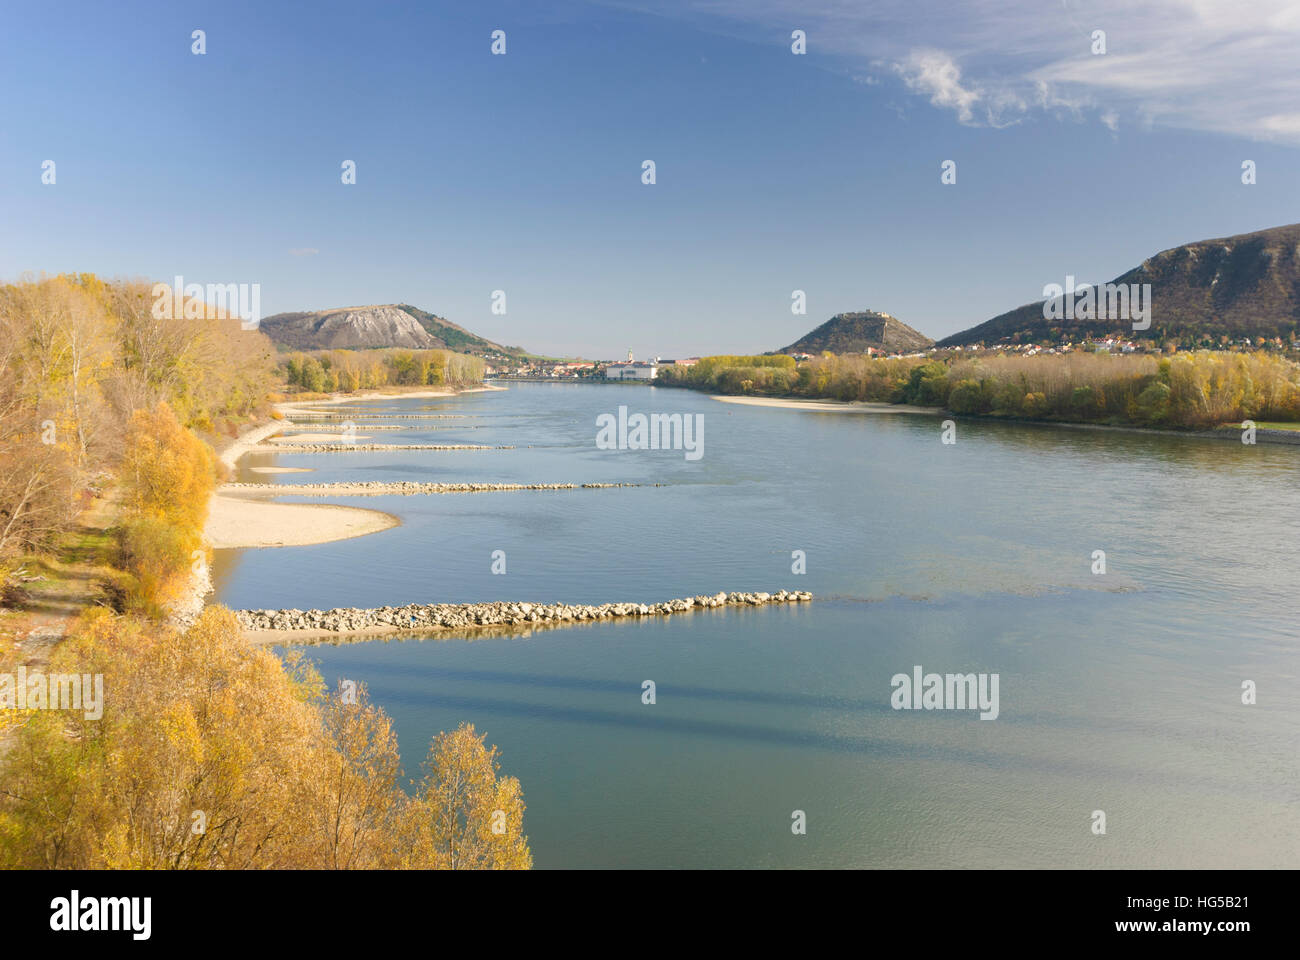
(1232, 433)
(237, 522)
(292, 626)
(289, 406)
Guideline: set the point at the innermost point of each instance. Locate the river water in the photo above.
(1118, 692)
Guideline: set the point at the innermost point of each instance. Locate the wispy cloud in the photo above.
(935, 74)
(1222, 66)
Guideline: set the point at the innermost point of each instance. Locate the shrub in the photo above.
(1153, 403)
(155, 554)
(966, 397)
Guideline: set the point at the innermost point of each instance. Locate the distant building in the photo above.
(570, 369)
(632, 370)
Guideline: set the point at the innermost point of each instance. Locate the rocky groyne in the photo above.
(376, 488)
(345, 447)
(306, 417)
(333, 428)
(429, 616)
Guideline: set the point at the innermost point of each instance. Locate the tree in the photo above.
(358, 780)
(966, 397)
(167, 471)
(465, 816)
(313, 375)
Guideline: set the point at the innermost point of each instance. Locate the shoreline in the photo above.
(236, 523)
(243, 523)
(288, 406)
(1262, 434)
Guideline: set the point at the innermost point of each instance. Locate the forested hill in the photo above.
(855, 332)
(1247, 285)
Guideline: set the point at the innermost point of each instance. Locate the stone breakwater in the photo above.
(330, 428)
(405, 487)
(418, 616)
(341, 447)
(313, 417)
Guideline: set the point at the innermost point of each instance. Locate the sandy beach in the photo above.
(313, 438)
(828, 406)
(299, 406)
(238, 522)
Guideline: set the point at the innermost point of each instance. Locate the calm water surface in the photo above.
(1119, 692)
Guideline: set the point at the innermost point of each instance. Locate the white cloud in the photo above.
(1221, 66)
(934, 74)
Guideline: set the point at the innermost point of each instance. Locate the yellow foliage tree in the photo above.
(465, 816)
(212, 754)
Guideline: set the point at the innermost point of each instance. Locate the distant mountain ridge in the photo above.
(855, 332)
(1247, 285)
(384, 325)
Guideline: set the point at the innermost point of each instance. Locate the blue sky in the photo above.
(522, 172)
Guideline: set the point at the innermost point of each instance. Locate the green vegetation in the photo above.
(456, 338)
(1201, 389)
(770, 374)
(346, 371)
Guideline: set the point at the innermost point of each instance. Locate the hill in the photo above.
(388, 325)
(855, 332)
(1247, 285)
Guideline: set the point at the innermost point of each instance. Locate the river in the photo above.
(1118, 692)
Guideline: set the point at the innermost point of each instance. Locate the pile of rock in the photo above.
(418, 616)
(403, 487)
(333, 428)
(302, 415)
(332, 447)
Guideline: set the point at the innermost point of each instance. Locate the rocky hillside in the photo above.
(389, 325)
(1242, 286)
(855, 332)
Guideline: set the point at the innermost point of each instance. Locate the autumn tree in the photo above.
(465, 816)
(358, 794)
(210, 753)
